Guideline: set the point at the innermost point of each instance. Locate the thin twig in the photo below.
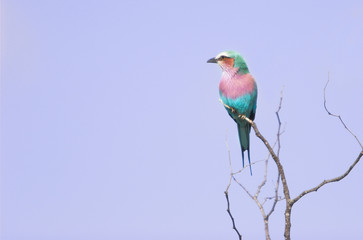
(336, 179)
(230, 215)
(278, 155)
(338, 116)
(226, 192)
(244, 188)
(247, 166)
(264, 177)
(279, 128)
(230, 165)
(279, 198)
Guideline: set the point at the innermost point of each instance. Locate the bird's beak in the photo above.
(212, 60)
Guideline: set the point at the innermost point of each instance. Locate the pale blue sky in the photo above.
(111, 126)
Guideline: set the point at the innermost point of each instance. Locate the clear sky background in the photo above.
(111, 126)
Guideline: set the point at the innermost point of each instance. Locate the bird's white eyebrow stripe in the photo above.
(222, 54)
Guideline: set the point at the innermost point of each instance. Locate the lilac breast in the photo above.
(236, 86)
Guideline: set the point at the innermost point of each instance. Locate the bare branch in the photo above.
(278, 155)
(279, 198)
(226, 193)
(264, 177)
(281, 174)
(230, 165)
(276, 196)
(279, 128)
(338, 116)
(337, 179)
(280, 169)
(230, 215)
(244, 188)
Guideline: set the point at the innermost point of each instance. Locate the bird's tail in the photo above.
(244, 139)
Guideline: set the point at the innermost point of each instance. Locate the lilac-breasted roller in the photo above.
(238, 90)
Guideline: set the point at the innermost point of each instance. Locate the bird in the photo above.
(238, 90)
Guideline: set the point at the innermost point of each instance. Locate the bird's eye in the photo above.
(222, 57)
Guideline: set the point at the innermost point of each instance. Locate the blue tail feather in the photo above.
(244, 137)
(243, 159)
(249, 160)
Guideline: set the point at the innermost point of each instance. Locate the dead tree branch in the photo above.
(228, 186)
(336, 179)
(281, 174)
(278, 155)
(226, 193)
(230, 215)
(280, 170)
(259, 188)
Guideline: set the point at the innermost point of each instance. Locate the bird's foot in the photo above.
(242, 116)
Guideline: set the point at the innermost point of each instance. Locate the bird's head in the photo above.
(230, 61)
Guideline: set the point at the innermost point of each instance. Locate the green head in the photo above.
(229, 60)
